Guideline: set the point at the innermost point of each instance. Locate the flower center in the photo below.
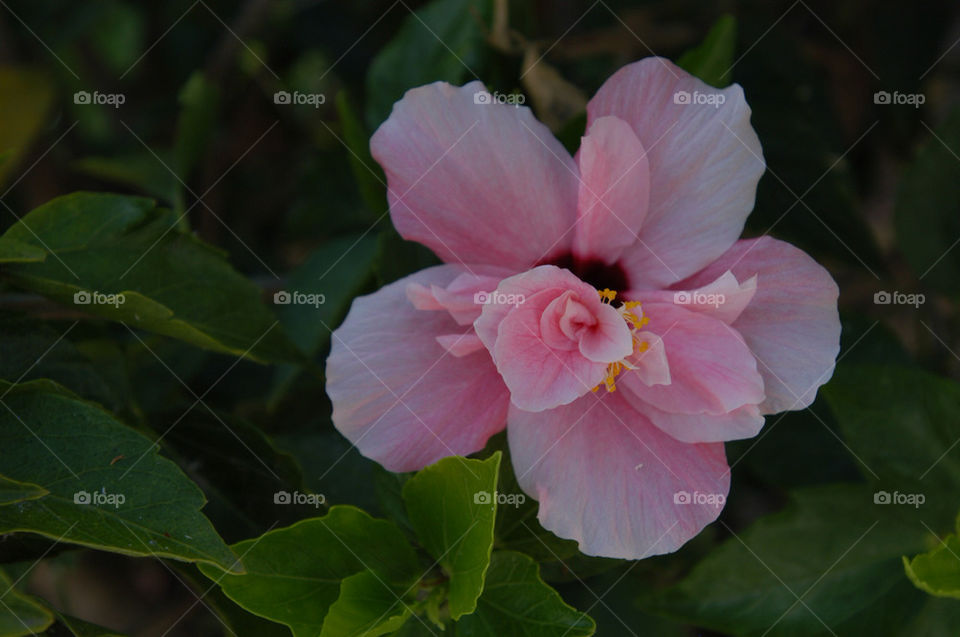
(593, 271)
(629, 310)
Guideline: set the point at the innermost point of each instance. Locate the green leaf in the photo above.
(199, 100)
(442, 41)
(79, 628)
(367, 606)
(517, 527)
(140, 171)
(25, 99)
(12, 491)
(293, 574)
(367, 172)
(712, 60)
(903, 429)
(20, 614)
(833, 547)
(517, 603)
(120, 34)
(938, 571)
(78, 452)
(171, 282)
(30, 350)
(335, 273)
(452, 505)
(927, 208)
(12, 251)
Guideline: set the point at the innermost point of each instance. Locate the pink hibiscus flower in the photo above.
(600, 307)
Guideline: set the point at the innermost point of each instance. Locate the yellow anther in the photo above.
(606, 294)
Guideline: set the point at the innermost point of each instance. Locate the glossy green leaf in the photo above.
(102, 245)
(30, 350)
(712, 59)
(442, 41)
(835, 547)
(12, 251)
(293, 574)
(20, 614)
(12, 491)
(108, 487)
(902, 431)
(451, 505)
(366, 606)
(67, 625)
(927, 208)
(938, 571)
(140, 171)
(517, 603)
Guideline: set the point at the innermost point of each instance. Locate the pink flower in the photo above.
(600, 307)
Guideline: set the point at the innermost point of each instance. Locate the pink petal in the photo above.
(705, 162)
(555, 343)
(792, 324)
(614, 190)
(523, 286)
(476, 182)
(397, 394)
(711, 369)
(460, 345)
(463, 297)
(613, 482)
(652, 366)
(743, 422)
(538, 376)
(724, 299)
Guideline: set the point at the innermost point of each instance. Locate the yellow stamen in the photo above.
(635, 323)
